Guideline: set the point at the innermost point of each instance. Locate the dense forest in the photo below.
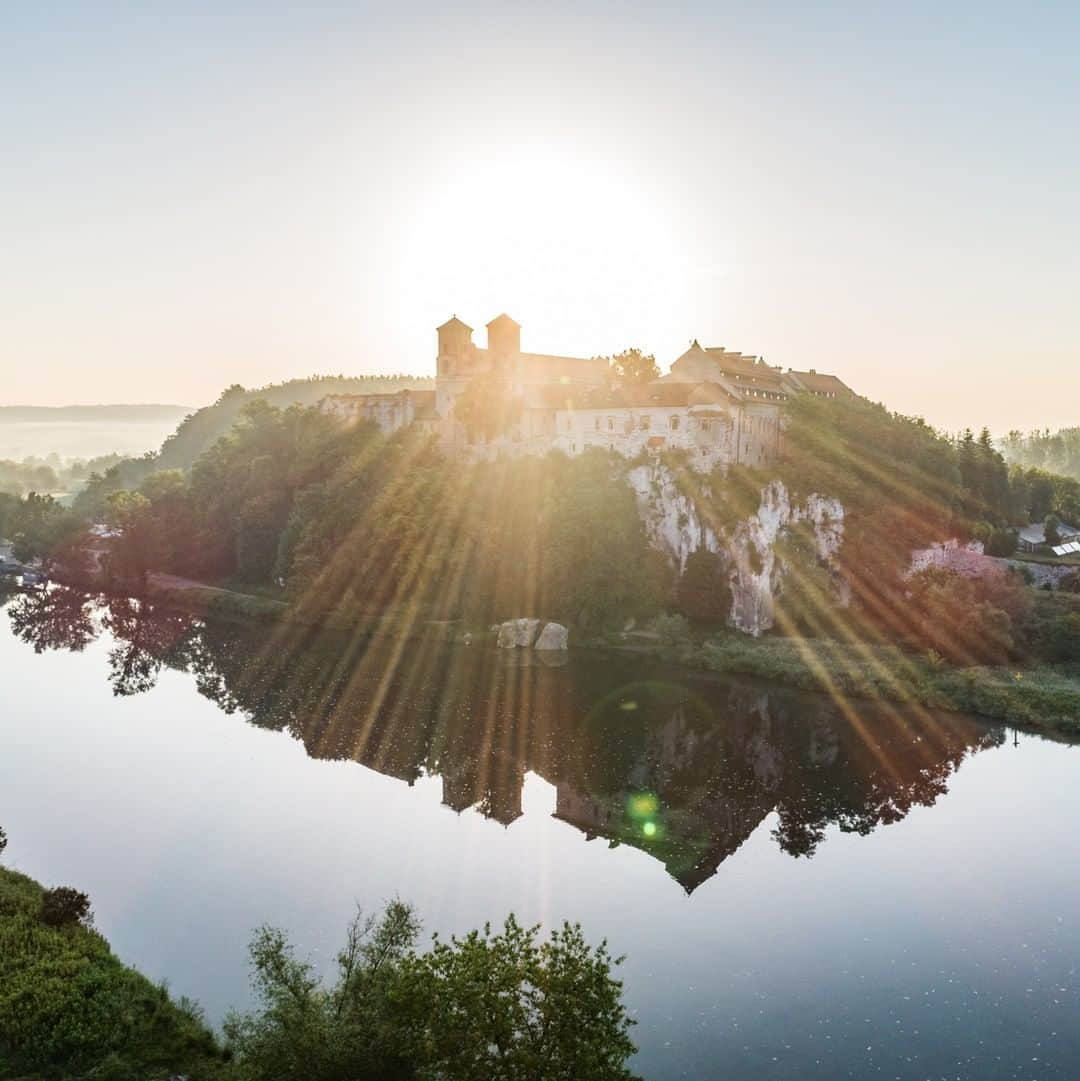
(1055, 452)
(352, 526)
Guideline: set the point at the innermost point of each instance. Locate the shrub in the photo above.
(703, 591)
(487, 1006)
(70, 1009)
(672, 629)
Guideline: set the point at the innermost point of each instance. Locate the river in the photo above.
(803, 889)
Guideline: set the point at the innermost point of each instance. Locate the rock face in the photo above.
(553, 636)
(518, 633)
(755, 571)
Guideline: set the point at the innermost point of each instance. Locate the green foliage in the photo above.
(199, 431)
(1057, 452)
(486, 1007)
(1052, 529)
(397, 527)
(65, 907)
(304, 1031)
(70, 1009)
(633, 366)
(671, 629)
(703, 592)
(501, 1007)
(41, 527)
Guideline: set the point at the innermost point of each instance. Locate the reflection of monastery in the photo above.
(684, 774)
(684, 771)
(720, 407)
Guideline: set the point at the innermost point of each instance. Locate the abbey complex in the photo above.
(719, 407)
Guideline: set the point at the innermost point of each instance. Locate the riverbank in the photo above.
(70, 1009)
(1039, 697)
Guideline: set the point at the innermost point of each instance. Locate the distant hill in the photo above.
(205, 426)
(67, 414)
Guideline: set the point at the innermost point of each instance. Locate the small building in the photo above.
(391, 412)
(1034, 536)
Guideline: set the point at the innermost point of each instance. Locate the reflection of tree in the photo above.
(55, 618)
(146, 638)
(684, 769)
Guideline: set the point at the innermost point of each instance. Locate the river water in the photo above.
(802, 888)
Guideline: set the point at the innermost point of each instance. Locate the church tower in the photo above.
(455, 341)
(504, 337)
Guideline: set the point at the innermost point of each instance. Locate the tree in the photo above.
(703, 592)
(41, 527)
(488, 1007)
(633, 366)
(498, 1007)
(304, 1031)
(1052, 529)
(64, 907)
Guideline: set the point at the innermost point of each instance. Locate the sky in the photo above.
(194, 195)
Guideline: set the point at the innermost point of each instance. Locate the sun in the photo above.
(563, 242)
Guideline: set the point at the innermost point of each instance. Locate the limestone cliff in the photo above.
(675, 525)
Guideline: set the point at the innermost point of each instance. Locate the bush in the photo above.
(64, 906)
(672, 629)
(70, 1009)
(703, 592)
(1001, 542)
(487, 1006)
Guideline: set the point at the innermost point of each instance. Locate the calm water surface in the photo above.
(803, 890)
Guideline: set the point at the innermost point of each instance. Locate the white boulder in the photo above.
(554, 636)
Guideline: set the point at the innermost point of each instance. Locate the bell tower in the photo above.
(455, 340)
(504, 336)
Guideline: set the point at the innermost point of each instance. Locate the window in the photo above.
(705, 425)
(674, 423)
(611, 424)
(596, 423)
(568, 424)
(646, 423)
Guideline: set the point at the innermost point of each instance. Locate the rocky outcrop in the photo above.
(554, 636)
(675, 525)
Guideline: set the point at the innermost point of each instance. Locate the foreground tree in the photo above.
(488, 1007)
(503, 1007)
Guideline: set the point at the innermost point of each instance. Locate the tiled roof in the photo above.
(819, 383)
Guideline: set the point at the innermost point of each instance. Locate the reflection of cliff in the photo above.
(684, 770)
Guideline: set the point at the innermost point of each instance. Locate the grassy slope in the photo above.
(70, 1009)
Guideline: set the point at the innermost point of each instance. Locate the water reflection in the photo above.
(684, 769)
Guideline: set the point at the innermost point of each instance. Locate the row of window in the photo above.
(644, 423)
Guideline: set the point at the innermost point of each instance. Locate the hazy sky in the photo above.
(193, 195)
